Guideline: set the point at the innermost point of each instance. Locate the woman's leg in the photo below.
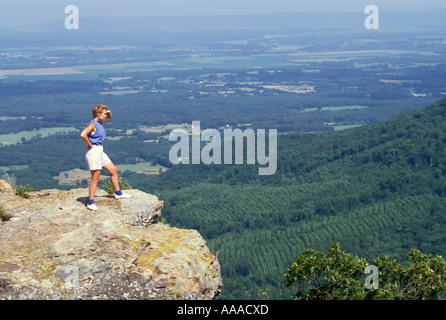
(95, 177)
(111, 168)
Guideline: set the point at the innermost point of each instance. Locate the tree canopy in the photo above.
(337, 275)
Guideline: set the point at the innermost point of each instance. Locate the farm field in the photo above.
(199, 60)
(335, 108)
(142, 167)
(14, 138)
(75, 177)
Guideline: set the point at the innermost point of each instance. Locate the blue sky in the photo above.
(25, 13)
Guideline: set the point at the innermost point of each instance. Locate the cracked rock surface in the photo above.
(53, 247)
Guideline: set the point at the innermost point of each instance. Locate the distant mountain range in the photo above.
(180, 29)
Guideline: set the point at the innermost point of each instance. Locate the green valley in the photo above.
(378, 189)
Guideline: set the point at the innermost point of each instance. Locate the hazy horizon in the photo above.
(27, 13)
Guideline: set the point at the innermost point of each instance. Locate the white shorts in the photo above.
(96, 158)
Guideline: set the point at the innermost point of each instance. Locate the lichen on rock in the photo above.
(53, 247)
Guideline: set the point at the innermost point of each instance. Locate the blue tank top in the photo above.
(99, 135)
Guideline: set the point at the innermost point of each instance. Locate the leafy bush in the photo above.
(336, 275)
(108, 187)
(22, 190)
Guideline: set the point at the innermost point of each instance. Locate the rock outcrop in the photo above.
(53, 247)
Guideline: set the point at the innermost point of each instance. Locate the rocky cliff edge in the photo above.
(53, 247)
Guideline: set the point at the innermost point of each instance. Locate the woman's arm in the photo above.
(86, 132)
(109, 115)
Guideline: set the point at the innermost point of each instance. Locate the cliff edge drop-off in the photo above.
(52, 247)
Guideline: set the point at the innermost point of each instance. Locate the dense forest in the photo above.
(378, 189)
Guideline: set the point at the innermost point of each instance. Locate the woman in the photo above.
(93, 135)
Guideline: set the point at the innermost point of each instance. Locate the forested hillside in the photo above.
(378, 189)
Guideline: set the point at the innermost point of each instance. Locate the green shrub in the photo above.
(336, 275)
(108, 187)
(22, 190)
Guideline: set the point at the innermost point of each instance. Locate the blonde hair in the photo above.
(97, 109)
